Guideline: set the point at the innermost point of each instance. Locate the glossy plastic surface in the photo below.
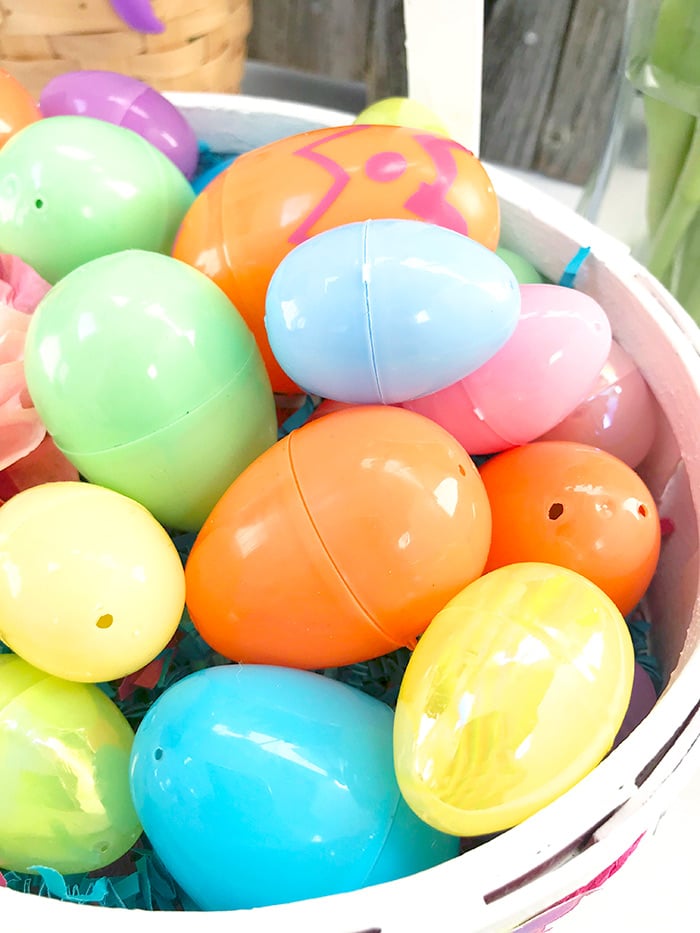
(402, 111)
(200, 182)
(75, 188)
(619, 415)
(578, 507)
(241, 226)
(539, 376)
(367, 520)
(524, 271)
(64, 773)
(281, 782)
(138, 15)
(17, 107)
(387, 310)
(514, 693)
(150, 382)
(128, 102)
(91, 586)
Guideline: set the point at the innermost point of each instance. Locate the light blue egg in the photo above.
(262, 785)
(388, 310)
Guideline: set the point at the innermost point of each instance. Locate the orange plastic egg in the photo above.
(17, 107)
(575, 506)
(340, 543)
(271, 199)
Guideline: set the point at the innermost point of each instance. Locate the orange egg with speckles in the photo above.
(271, 199)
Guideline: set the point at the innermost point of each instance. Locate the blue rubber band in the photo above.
(569, 274)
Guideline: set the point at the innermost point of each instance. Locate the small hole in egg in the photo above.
(462, 470)
(158, 754)
(102, 847)
(38, 204)
(556, 510)
(642, 510)
(105, 621)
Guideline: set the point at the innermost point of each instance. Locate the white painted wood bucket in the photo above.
(572, 843)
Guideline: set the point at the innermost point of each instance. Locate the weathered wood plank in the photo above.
(327, 37)
(522, 46)
(386, 63)
(579, 115)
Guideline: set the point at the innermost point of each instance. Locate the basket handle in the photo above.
(444, 56)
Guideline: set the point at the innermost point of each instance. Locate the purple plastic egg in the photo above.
(127, 102)
(641, 703)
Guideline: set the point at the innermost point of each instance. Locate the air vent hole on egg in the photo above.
(102, 847)
(38, 204)
(642, 510)
(158, 754)
(462, 470)
(556, 510)
(105, 621)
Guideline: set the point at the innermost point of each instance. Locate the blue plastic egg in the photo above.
(388, 310)
(262, 785)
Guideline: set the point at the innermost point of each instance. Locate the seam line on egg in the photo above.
(368, 616)
(368, 310)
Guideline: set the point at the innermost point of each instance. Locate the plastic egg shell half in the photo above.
(274, 198)
(17, 107)
(91, 586)
(514, 693)
(560, 343)
(387, 310)
(64, 773)
(340, 543)
(578, 507)
(282, 784)
(619, 414)
(150, 383)
(76, 188)
(127, 102)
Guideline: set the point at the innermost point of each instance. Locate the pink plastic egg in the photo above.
(534, 381)
(128, 102)
(618, 415)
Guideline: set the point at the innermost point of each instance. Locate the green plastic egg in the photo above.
(150, 383)
(524, 271)
(64, 773)
(75, 188)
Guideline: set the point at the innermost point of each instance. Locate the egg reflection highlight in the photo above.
(514, 693)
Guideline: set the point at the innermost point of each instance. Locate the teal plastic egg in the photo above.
(74, 188)
(150, 383)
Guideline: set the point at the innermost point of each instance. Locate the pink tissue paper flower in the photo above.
(27, 455)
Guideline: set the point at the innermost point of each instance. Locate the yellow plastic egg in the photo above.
(91, 586)
(403, 111)
(514, 693)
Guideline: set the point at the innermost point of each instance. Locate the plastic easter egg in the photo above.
(619, 414)
(400, 309)
(17, 107)
(76, 188)
(279, 779)
(368, 519)
(642, 701)
(277, 196)
(403, 111)
(64, 773)
(91, 586)
(537, 378)
(150, 383)
(128, 102)
(514, 693)
(578, 507)
(524, 271)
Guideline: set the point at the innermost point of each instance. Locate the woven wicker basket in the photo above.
(202, 48)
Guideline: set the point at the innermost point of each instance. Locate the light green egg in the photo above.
(76, 188)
